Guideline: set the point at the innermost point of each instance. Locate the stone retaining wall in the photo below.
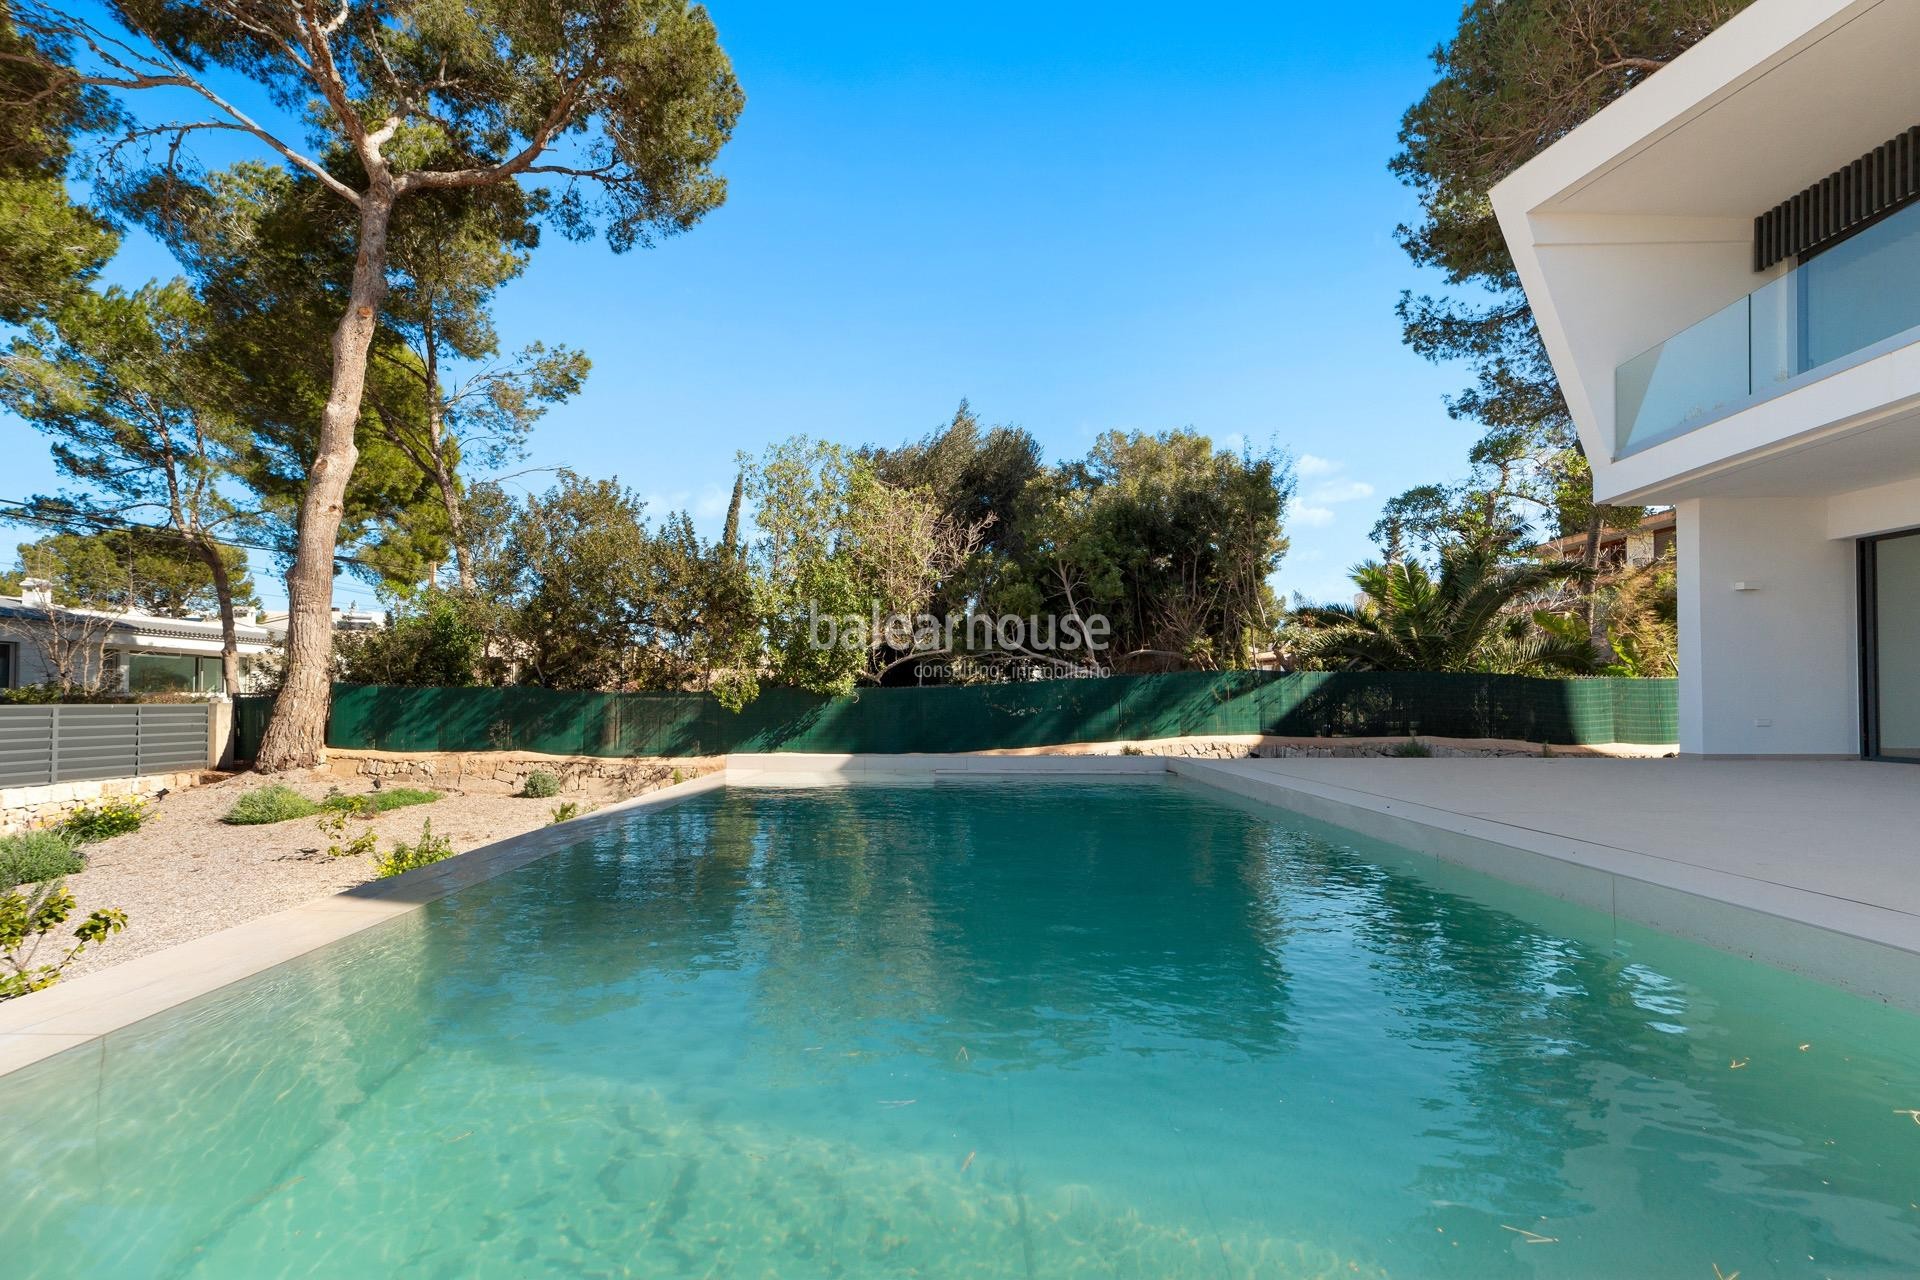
(504, 773)
(1257, 746)
(23, 808)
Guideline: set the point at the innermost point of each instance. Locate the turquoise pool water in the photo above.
(978, 1031)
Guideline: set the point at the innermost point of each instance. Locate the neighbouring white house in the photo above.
(351, 618)
(121, 652)
(1725, 268)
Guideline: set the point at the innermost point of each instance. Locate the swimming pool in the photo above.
(1052, 1029)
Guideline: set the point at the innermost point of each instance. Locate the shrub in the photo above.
(25, 921)
(373, 802)
(1412, 748)
(567, 811)
(33, 856)
(275, 803)
(424, 852)
(438, 642)
(105, 820)
(540, 785)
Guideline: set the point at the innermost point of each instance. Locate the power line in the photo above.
(26, 513)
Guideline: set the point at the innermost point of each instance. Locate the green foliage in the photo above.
(734, 689)
(591, 597)
(275, 802)
(124, 388)
(27, 919)
(1640, 616)
(438, 639)
(1168, 538)
(1475, 615)
(30, 857)
(40, 695)
(141, 569)
(1411, 749)
(567, 811)
(540, 785)
(333, 825)
(51, 249)
(268, 256)
(1516, 76)
(425, 851)
(118, 816)
(371, 803)
(802, 491)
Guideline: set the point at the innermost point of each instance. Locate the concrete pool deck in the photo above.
(1810, 866)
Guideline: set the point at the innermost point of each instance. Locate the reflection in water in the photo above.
(982, 1031)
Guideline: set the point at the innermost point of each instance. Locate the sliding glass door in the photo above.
(1890, 649)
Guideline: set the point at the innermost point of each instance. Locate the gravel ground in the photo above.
(186, 873)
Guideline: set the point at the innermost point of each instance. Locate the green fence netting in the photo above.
(989, 717)
(250, 714)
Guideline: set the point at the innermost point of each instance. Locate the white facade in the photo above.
(116, 652)
(1778, 411)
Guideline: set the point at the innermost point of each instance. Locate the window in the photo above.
(1890, 649)
(173, 673)
(9, 666)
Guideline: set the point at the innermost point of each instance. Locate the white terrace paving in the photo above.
(1826, 852)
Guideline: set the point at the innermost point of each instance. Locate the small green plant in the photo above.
(33, 856)
(677, 779)
(377, 802)
(333, 825)
(567, 811)
(25, 921)
(276, 803)
(109, 818)
(540, 785)
(1412, 749)
(1546, 751)
(1131, 750)
(424, 852)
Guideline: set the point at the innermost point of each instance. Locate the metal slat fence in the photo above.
(82, 742)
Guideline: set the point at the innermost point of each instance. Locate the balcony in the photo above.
(1854, 301)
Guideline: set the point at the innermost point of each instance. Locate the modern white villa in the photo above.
(1725, 268)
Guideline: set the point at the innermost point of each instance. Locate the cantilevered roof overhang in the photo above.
(1640, 223)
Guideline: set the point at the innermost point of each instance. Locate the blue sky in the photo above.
(1078, 217)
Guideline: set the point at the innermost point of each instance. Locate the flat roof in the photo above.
(1780, 96)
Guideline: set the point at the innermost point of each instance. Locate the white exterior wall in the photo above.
(1773, 670)
(1638, 224)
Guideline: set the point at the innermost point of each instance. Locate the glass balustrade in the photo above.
(1853, 301)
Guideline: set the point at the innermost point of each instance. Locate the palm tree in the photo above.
(1472, 617)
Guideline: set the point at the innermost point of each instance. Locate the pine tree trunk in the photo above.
(1590, 559)
(229, 628)
(456, 527)
(297, 732)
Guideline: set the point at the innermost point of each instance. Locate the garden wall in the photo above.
(996, 716)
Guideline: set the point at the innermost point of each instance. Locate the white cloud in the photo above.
(1328, 489)
(1233, 443)
(712, 503)
(1338, 491)
(664, 504)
